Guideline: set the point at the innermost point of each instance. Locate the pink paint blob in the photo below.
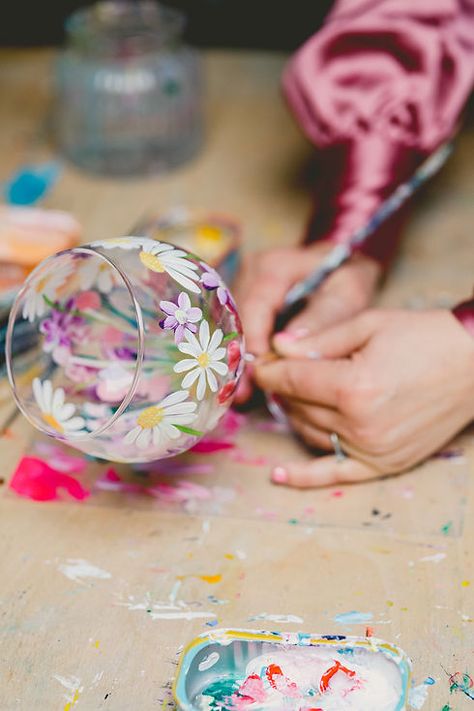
(211, 446)
(35, 479)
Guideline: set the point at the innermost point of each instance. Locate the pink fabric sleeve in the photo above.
(379, 87)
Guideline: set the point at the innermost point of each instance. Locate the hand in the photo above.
(395, 386)
(266, 277)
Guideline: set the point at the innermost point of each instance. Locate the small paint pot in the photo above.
(238, 669)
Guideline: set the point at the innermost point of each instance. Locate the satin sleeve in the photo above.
(378, 88)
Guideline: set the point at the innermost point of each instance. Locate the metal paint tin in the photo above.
(222, 656)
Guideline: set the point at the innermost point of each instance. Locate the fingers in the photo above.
(312, 436)
(324, 471)
(307, 380)
(334, 342)
(324, 418)
(323, 310)
(261, 292)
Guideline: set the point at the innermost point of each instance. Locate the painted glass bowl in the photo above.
(137, 348)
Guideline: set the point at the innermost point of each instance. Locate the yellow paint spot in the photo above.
(466, 583)
(150, 417)
(390, 603)
(229, 556)
(152, 262)
(203, 360)
(211, 579)
(73, 701)
(404, 609)
(208, 233)
(52, 422)
(96, 644)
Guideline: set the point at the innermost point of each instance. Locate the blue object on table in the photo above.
(31, 183)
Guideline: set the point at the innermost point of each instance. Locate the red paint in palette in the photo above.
(331, 672)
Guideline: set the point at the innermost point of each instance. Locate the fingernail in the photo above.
(314, 355)
(279, 475)
(249, 357)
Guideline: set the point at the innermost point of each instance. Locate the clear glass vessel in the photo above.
(137, 349)
(128, 91)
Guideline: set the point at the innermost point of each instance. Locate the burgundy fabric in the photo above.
(465, 314)
(378, 88)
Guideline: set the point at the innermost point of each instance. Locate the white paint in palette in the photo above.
(77, 569)
(171, 610)
(279, 619)
(209, 661)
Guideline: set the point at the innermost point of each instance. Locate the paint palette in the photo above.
(240, 670)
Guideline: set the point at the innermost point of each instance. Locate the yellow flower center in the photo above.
(52, 422)
(150, 417)
(39, 288)
(203, 360)
(152, 262)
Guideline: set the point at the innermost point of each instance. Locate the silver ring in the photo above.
(336, 443)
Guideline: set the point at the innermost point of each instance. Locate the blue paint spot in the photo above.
(31, 183)
(353, 618)
(212, 623)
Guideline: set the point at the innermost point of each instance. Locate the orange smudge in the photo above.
(211, 579)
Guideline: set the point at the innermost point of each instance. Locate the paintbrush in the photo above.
(298, 294)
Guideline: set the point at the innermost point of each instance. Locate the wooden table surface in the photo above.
(235, 547)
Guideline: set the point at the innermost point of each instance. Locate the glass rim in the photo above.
(127, 399)
(160, 24)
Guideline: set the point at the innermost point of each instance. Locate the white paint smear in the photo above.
(418, 696)
(279, 619)
(208, 662)
(435, 558)
(77, 569)
(72, 684)
(171, 610)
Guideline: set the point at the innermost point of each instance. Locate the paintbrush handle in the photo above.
(342, 252)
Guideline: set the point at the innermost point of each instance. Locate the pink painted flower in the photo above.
(226, 392)
(233, 355)
(88, 300)
(180, 317)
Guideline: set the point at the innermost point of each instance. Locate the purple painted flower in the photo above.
(210, 279)
(62, 329)
(180, 317)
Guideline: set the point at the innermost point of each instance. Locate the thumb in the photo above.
(338, 341)
(323, 471)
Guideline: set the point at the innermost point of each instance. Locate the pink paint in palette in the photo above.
(245, 670)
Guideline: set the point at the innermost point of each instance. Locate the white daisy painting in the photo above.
(126, 243)
(55, 411)
(206, 355)
(160, 257)
(43, 288)
(98, 274)
(160, 423)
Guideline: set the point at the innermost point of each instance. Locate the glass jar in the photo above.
(128, 92)
(138, 349)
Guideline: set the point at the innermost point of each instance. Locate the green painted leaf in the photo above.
(189, 430)
(230, 336)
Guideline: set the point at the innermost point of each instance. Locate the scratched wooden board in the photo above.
(89, 642)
